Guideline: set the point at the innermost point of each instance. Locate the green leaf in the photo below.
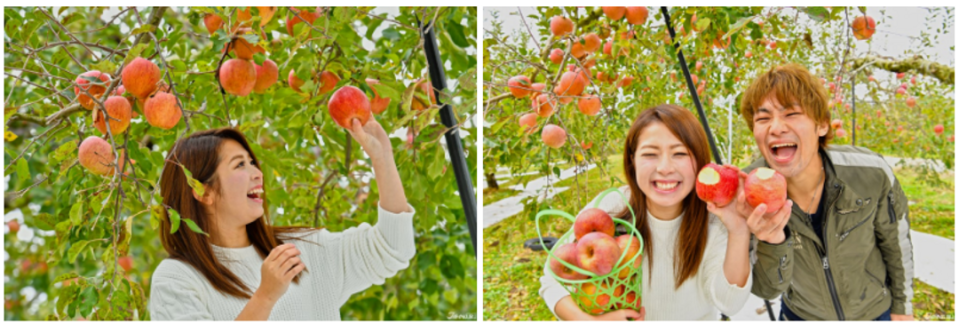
(65, 151)
(134, 53)
(65, 276)
(143, 29)
(457, 35)
(23, 170)
(195, 184)
(194, 227)
(76, 213)
(174, 220)
(75, 250)
(451, 267)
(105, 66)
(702, 23)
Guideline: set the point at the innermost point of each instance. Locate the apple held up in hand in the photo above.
(765, 185)
(348, 103)
(717, 184)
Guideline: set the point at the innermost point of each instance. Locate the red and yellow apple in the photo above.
(96, 88)
(554, 136)
(567, 252)
(162, 111)
(96, 155)
(593, 220)
(598, 253)
(348, 103)
(140, 77)
(765, 186)
(238, 77)
(717, 184)
(120, 113)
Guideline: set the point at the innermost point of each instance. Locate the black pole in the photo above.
(702, 115)
(853, 110)
(692, 89)
(453, 142)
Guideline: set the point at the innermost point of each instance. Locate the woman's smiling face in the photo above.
(665, 168)
(240, 198)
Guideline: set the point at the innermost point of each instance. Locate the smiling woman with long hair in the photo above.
(247, 269)
(695, 261)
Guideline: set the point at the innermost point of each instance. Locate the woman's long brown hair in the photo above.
(693, 231)
(199, 153)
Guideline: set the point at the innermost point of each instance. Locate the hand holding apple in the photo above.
(373, 139)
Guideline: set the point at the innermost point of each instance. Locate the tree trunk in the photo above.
(491, 181)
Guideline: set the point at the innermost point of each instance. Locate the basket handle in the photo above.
(571, 218)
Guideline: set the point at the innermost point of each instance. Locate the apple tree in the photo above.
(96, 97)
(591, 70)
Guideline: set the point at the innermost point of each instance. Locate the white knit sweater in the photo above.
(700, 297)
(342, 264)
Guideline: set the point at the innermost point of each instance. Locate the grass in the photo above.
(491, 195)
(511, 273)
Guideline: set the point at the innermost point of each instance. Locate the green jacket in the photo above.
(864, 266)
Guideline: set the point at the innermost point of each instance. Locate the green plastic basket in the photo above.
(599, 294)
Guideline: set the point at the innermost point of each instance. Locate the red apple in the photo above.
(840, 133)
(556, 55)
(212, 22)
(126, 263)
(836, 124)
(749, 54)
(913, 80)
(765, 185)
(96, 155)
(162, 111)
(295, 18)
(377, 104)
(553, 136)
(900, 75)
(593, 220)
(911, 102)
(543, 105)
(118, 108)
(140, 77)
(599, 302)
(598, 253)
(295, 82)
(592, 42)
(238, 77)
(590, 104)
(614, 13)
(519, 86)
(717, 184)
(348, 103)
(567, 252)
(14, 226)
(539, 87)
(528, 122)
(901, 91)
(266, 76)
(629, 246)
(560, 26)
(863, 27)
(636, 15)
(938, 129)
(97, 90)
(328, 81)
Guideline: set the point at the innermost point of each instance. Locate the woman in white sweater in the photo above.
(695, 263)
(243, 270)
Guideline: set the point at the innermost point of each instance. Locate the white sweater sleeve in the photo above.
(728, 298)
(366, 255)
(175, 293)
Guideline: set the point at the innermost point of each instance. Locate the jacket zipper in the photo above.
(892, 211)
(825, 266)
(843, 236)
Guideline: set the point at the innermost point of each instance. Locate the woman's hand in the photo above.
(278, 270)
(373, 139)
(377, 145)
(623, 314)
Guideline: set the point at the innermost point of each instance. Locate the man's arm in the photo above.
(895, 244)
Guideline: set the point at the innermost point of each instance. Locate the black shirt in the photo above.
(817, 218)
